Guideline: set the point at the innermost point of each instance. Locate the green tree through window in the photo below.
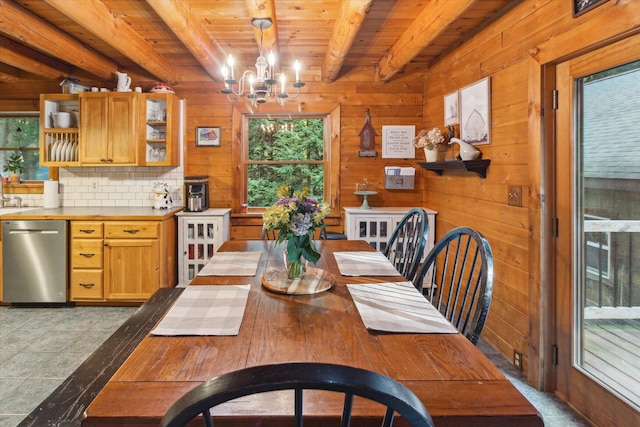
(284, 150)
(23, 133)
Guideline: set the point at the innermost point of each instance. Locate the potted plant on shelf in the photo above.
(15, 166)
(430, 141)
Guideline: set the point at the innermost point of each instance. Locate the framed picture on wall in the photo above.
(208, 136)
(583, 6)
(451, 116)
(475, 112)
(397, 142)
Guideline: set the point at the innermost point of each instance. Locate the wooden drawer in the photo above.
(131, 230)
(86, 253)
(86, 284)
(86, 229)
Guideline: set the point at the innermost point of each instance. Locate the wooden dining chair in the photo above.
(350, 381)
(406, 245)
(457, 277)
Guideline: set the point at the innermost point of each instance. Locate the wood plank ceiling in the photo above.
(177, 41)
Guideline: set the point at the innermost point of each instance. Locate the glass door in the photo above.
(598, 246)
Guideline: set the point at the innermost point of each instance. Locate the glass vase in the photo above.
(295, 269)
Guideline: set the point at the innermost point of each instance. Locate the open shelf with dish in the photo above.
(59, 129)
(477, 166)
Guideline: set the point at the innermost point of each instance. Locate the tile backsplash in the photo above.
(113, 186)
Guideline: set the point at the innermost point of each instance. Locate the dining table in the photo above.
(456, 382)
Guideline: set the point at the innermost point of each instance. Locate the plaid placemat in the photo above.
(364, 264)
(232, 264)
(206, 310)
(397, 307)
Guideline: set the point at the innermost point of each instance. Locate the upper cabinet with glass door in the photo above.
(161, 139)
(59, 121)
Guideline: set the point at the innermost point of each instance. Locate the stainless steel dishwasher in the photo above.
(34, 261)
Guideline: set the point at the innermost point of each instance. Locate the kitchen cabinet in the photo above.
(86, 261)
(132, 260)
(200, 234)
(375, 225)
(59, 146)
(109, 128)
(161, 142)
(121, 261)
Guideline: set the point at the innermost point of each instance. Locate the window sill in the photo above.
(28, 187)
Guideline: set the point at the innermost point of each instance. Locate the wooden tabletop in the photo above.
(456, 382)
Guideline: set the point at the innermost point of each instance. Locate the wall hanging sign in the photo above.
(475, 112)
(367, 137)
(397, 142)
(583, 6)
(208, 136)
(451, 109)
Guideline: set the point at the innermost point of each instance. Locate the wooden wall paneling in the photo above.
(503, 53)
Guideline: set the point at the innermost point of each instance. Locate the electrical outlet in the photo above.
(94, 185)
(514, 195)
(517, 359)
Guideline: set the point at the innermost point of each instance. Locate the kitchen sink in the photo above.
(7, 211)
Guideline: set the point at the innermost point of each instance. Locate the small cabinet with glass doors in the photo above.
(200, 235)
(162, 126)
(375, 225)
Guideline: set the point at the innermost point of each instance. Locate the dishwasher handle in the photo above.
(32, 231)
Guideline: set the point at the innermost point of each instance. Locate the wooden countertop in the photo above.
(92, 213)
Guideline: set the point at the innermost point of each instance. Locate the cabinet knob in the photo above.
(102, 159)
(87, 255)
(109, 159)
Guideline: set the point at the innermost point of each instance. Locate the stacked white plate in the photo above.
(64, 151)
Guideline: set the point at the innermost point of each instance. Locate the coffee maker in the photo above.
(196, 190)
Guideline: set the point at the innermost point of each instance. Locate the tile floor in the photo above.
(40, 347)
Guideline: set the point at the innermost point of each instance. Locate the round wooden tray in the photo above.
(314, 281)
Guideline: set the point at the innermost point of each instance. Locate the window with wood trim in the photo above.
(20, 133)
(289, 149)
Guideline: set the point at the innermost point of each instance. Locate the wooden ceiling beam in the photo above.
(31, 30)
(185, 25)
(345, 29)
(96, 17)
(430, 23)
(18, 56)
(265, 9)
(8, 74)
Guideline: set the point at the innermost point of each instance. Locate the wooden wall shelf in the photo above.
(478, 166)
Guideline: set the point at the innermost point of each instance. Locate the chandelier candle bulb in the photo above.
(230, 62)
(296, 66)
(282, 81)
(272, 62)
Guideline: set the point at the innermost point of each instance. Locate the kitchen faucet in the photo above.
(4, 200)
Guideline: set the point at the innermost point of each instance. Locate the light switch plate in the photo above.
(514, 195)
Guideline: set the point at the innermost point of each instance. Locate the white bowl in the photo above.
(62, 120)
